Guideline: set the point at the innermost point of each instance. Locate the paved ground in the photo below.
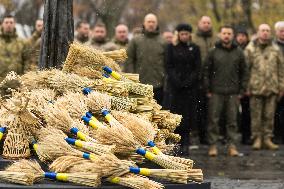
(252, 170)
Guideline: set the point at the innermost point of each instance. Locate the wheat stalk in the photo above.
(96, 148)
(33, 168)
(51, 147)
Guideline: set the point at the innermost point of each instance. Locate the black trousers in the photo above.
(202, 114)
(245, 121)
(279, 122)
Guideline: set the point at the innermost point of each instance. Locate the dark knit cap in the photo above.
(241, 30)
(184, 27)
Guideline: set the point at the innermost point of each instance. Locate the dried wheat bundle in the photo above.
(66, 164)
(141, 89)
(177, 176)
(86, 71)
(125, 142)
(144, 108)
(96, 101)
(136, 182)
(132, 76)
(195, 175)
(17, 177)
(16, 145)
(136, 88)
(93, 147)
(51, 147)
(58, 80)
(27, 166)
(39, 100)
(58, 117)
(123, 103)
(74, 103)
(113, 87)
(116, 55)
(143, 130)
(11, 82)
(32, 167)
(83, 55)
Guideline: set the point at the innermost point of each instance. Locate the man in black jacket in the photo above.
(225, 78)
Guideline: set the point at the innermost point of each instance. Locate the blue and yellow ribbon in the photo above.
(149, 155)
(92, 121)
(78, 133)
(141, 171)
(114, 74)
(107, 115)
(155, 149)
(2, 131)
(56, 176)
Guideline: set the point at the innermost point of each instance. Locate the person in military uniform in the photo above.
(99, 39)
(33, 46)
(83, 32)
(266, 85)
(121, 37)
(225, 80)
(12, 48)
(146, 55)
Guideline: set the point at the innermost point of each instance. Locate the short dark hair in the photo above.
(99, 25)
(7, 16)
(227, 27)
(78, 25)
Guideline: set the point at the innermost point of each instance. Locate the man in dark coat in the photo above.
(146, 56)
(225, 80)
(182, 67)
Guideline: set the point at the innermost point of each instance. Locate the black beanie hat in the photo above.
(241, 30)
(184, 27)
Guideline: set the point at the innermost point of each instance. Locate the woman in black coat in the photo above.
(183, 64)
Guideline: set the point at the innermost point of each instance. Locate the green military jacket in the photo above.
(146, 57)
(266, 68)
(12, 54)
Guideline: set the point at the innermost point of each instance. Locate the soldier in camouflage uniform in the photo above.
(99, 39)
(12, 55)
(33, 46)
(266, 84)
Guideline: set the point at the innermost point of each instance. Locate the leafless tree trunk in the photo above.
(246, 5)
(58, 33)
(215, 10)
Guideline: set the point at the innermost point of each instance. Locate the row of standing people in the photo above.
(208, 77)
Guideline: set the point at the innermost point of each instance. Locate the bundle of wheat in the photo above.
(34, 169)
(53, 146)
(80, 56)
(58, 117)
(93, 147)
(125, 142)
(74, 103)
(11, 82)
(117, 55)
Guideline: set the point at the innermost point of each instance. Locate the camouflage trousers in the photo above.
(220, 105)
(262, 115)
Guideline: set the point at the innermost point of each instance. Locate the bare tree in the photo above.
(246, 5)
(58, 32)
